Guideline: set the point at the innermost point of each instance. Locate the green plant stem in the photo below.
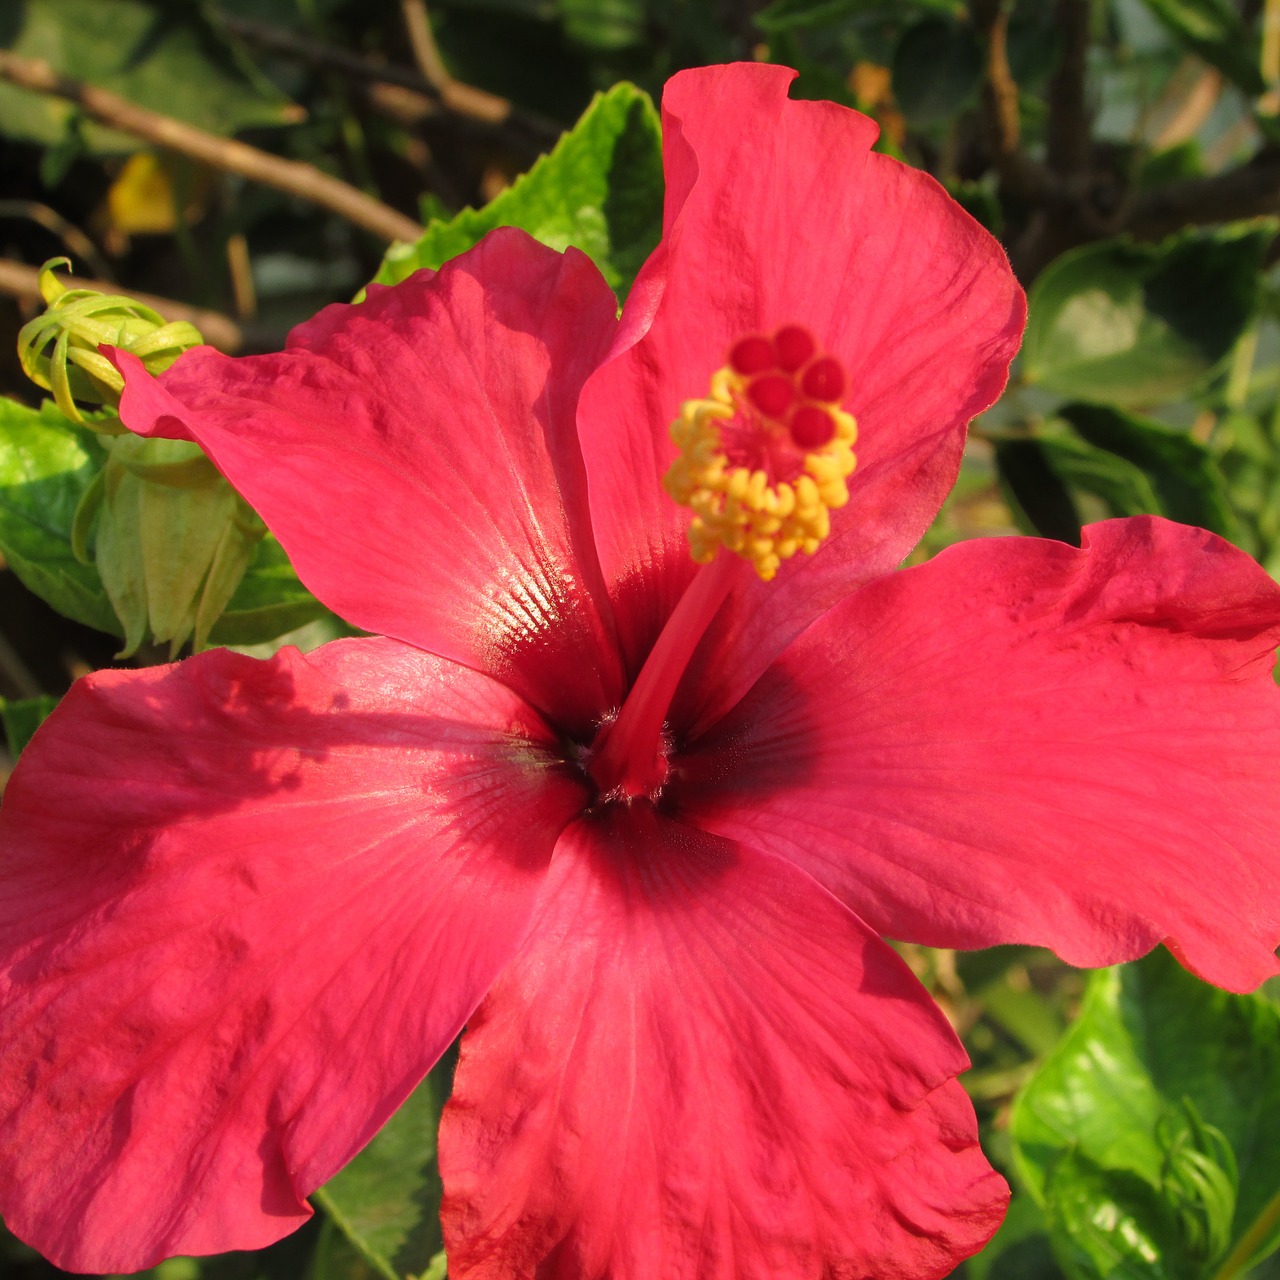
(1237, 390)
(1249, 1243)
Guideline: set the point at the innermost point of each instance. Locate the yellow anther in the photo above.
(739, 507)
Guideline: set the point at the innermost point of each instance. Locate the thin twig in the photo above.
(463, 98)
(291, 176)
(240, 269)
(73, 239)
(419, 96)
(18, 280)
(1068, 141)
(426, 53)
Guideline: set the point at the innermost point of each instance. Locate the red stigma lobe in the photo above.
(812, 427)
(752, 355)
(795, 346)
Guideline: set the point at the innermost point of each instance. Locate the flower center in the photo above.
(763, 461)
(764, 457)
(629, 756)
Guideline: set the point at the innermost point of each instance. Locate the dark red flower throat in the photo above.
(630, 756)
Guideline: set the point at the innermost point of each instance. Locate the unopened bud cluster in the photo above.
(170, 538)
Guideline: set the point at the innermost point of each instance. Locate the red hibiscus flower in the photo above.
(640, 823)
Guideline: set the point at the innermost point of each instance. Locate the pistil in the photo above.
(629, 760)
(763, 460)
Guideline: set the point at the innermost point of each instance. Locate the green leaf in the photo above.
(1184, 474)
(600, 189)
(1130, 325)
(21, 718)
(937, 67)
(46, 464)
(1153, 1130)
(387, 1200)
(1214, 30)
(1173, 164)
(158, 55)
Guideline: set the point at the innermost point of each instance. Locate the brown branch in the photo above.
(1248, 191)
(1068, 142)
(21, 281)
(291, 176)
(73, 239)
(463, 98)
(1001, 89)
(419, 97)
(426, 53)
(1019, 174)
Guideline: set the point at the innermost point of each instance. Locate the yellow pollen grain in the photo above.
(739, 509)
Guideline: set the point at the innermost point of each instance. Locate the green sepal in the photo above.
(268, 602)
(173, 541)
(52, 486)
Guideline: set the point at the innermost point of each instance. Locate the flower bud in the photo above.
(173, 539)
(59, 349)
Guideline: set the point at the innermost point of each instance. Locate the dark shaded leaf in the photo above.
(937, 67)
(1036, 490)
(784, 15)
(1183, 473)
(1128, 324)
(1214, 30)
(21, 718)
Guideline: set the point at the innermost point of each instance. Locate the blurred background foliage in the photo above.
(237, 164)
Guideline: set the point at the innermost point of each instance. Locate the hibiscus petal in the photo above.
(247, 905)
(417, 456)
(703, 1067)
(778, 212)
(1025, 742)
